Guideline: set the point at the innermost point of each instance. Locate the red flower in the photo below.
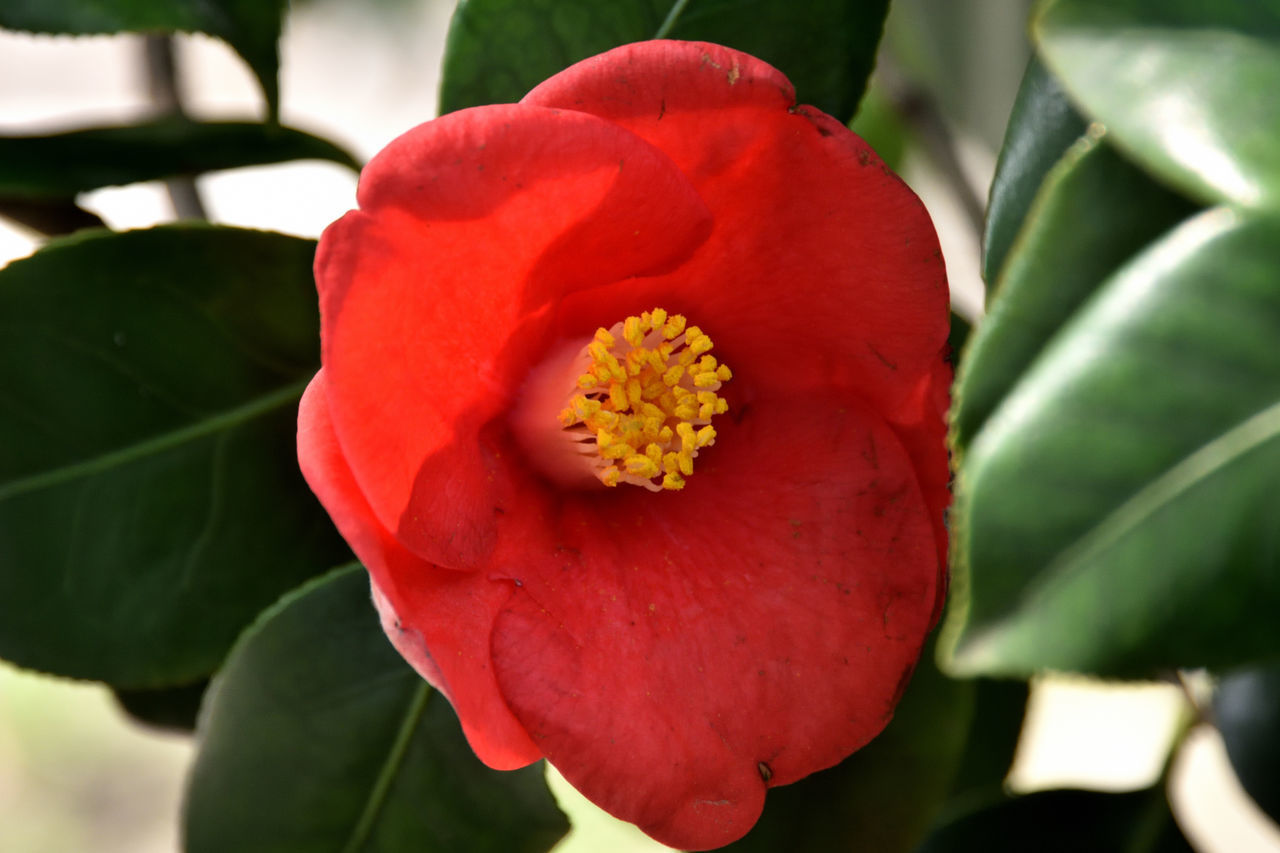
(672, 653)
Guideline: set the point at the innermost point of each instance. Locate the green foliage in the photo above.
(1065, 822)
(61, 165)
(498, 50)
(1246, 708)
(1113, 511)
(251, 27)
(317, 736)
(1092, 213)
(1186, 87)
(172, 708)
(1041, 129)
(150, 501)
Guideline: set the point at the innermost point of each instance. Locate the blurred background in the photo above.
(76, 774)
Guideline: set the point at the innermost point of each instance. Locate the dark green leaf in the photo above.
(1186, 87)
(994, 730)
(1116, 514)
(1246, 709)
(1094, 211)
(497, 50)
(317, 736)
(884, 796)
(1065, 822)
(1041, 128)
(173, 708)
(251, 27)
(63, 164)
(49, 216)
(150, 500)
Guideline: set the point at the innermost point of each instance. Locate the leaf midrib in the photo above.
(1200, 465)
(395, 758)
(156, 444)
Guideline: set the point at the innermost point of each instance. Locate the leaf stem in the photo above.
(669, 24)
(378, 796)
(166, 91)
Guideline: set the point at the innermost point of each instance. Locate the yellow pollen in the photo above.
(642, 408)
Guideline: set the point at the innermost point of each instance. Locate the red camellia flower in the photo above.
(632, 404)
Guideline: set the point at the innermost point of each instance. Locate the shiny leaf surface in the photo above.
(1114, 514)
(1093, 212)
(1187, 88)
(150, 499)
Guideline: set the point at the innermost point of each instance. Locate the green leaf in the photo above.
(1116, 514)
(1246, 709)
(317, 736)
(1041, 128)
(63, 164)
(150, 499)
(884, 796)
(497, 50)
(251, 27)
(1065, 822)
(48, 216)
(171, 708)
(1093, 212)
(1186, 87)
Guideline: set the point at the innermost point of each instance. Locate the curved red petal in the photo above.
(823, 267)
(439, 621)
(769, 614)
(432, 294)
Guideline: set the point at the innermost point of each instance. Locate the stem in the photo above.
(667, 25)
(165, 87)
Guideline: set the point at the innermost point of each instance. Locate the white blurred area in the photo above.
(76, 775)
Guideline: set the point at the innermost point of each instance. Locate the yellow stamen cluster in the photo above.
(645, 403)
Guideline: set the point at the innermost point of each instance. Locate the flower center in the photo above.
(635, 404)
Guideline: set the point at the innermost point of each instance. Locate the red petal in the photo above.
(431, 294)
(823, 267)
(451, 647)
(769, 613)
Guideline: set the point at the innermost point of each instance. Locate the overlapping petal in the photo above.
(433, 293)
(766, 615)
(449, 649)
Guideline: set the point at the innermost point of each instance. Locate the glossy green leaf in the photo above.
(1065, 821)
(1186, 87)
(317, 736)
(884, 796)
(61, 165)
(251, 27)
(150, 499)
(1041, 128)
(1093, 212)
(497, 50)
(1115, 515)
(1246, 709)
(170, 708)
